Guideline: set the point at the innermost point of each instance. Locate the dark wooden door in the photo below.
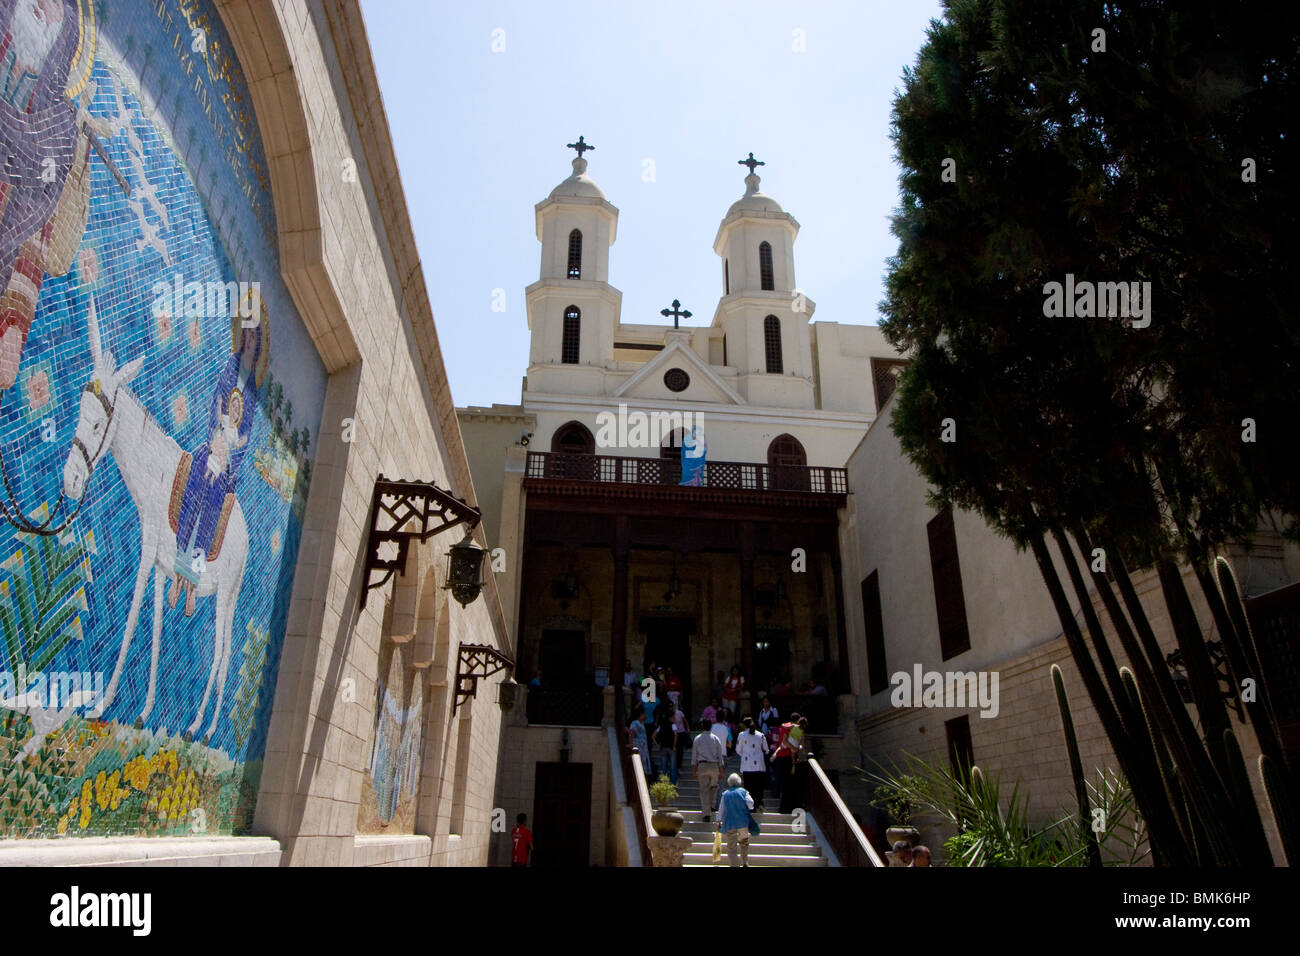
(562, 812)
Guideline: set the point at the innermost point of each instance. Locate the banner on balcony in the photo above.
(693, 457)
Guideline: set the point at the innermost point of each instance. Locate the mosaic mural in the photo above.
(153, 474)
(388, 790)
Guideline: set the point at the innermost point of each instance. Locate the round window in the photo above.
(676, 380)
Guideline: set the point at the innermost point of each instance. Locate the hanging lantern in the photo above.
(465, 569)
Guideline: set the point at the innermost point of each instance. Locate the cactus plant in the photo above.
(1076, 769)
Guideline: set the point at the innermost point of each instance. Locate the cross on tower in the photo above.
(751, 163)
(677, 312)
(581, 146)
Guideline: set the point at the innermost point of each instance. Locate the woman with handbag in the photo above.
(735, 822)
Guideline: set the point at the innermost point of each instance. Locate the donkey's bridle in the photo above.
(14, 514)
(94, 388)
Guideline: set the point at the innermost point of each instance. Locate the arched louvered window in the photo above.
(765, 266)
(573, 454)
(575, 254)
(572, 334)
(726, 277)
(787, 464)
(573, 438)
(772, 344)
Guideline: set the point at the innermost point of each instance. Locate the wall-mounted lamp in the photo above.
(507, 693)
(465, 569)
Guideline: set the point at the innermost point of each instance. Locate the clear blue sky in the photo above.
(693, 86)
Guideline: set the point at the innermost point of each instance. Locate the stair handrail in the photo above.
(642, 791)
(846, 837)
(629, 817)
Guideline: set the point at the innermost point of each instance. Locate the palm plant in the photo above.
(991, 831)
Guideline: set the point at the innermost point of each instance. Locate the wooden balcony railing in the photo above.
(741, 476)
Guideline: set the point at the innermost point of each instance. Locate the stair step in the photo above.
(758, 845)
(763, 839)
(755, 859)
(764, 817)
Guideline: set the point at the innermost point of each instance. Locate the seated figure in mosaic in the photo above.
(46, 53)
(203, 491)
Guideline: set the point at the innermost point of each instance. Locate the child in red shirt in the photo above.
(521, 842)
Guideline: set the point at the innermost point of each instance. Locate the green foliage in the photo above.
(662, 792)
(895, 799)
(995, 829)
(1114, 823)
(1122, 165)
(243, 709)
(43, 598)
(987, 834)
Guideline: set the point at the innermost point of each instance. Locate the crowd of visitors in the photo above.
(773, 752)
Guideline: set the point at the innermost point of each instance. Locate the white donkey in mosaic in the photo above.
(112, 419)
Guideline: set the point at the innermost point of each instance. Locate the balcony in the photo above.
(730, 476)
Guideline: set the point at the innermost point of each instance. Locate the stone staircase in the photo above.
(777, 845)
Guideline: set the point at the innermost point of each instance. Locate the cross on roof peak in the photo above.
(581, 146)
(677, 312)
(751, 163)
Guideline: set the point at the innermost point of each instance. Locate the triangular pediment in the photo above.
(705, 385)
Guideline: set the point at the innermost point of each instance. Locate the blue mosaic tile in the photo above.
(135, 193)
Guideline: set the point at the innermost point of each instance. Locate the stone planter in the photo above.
(909, 835)
(667, 822)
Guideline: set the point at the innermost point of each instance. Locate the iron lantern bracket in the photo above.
(476, 661)
(406, 511)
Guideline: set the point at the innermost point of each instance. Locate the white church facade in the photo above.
(622, 551)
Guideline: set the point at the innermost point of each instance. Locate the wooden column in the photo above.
(747, 604)
(618, 619)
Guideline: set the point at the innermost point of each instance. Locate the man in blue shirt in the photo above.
(733, 820)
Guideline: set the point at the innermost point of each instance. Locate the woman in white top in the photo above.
(752, 747)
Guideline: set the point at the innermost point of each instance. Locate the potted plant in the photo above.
(895, 799)
(665, 820)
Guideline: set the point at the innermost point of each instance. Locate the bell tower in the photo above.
(765, 323)
(572, 308)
